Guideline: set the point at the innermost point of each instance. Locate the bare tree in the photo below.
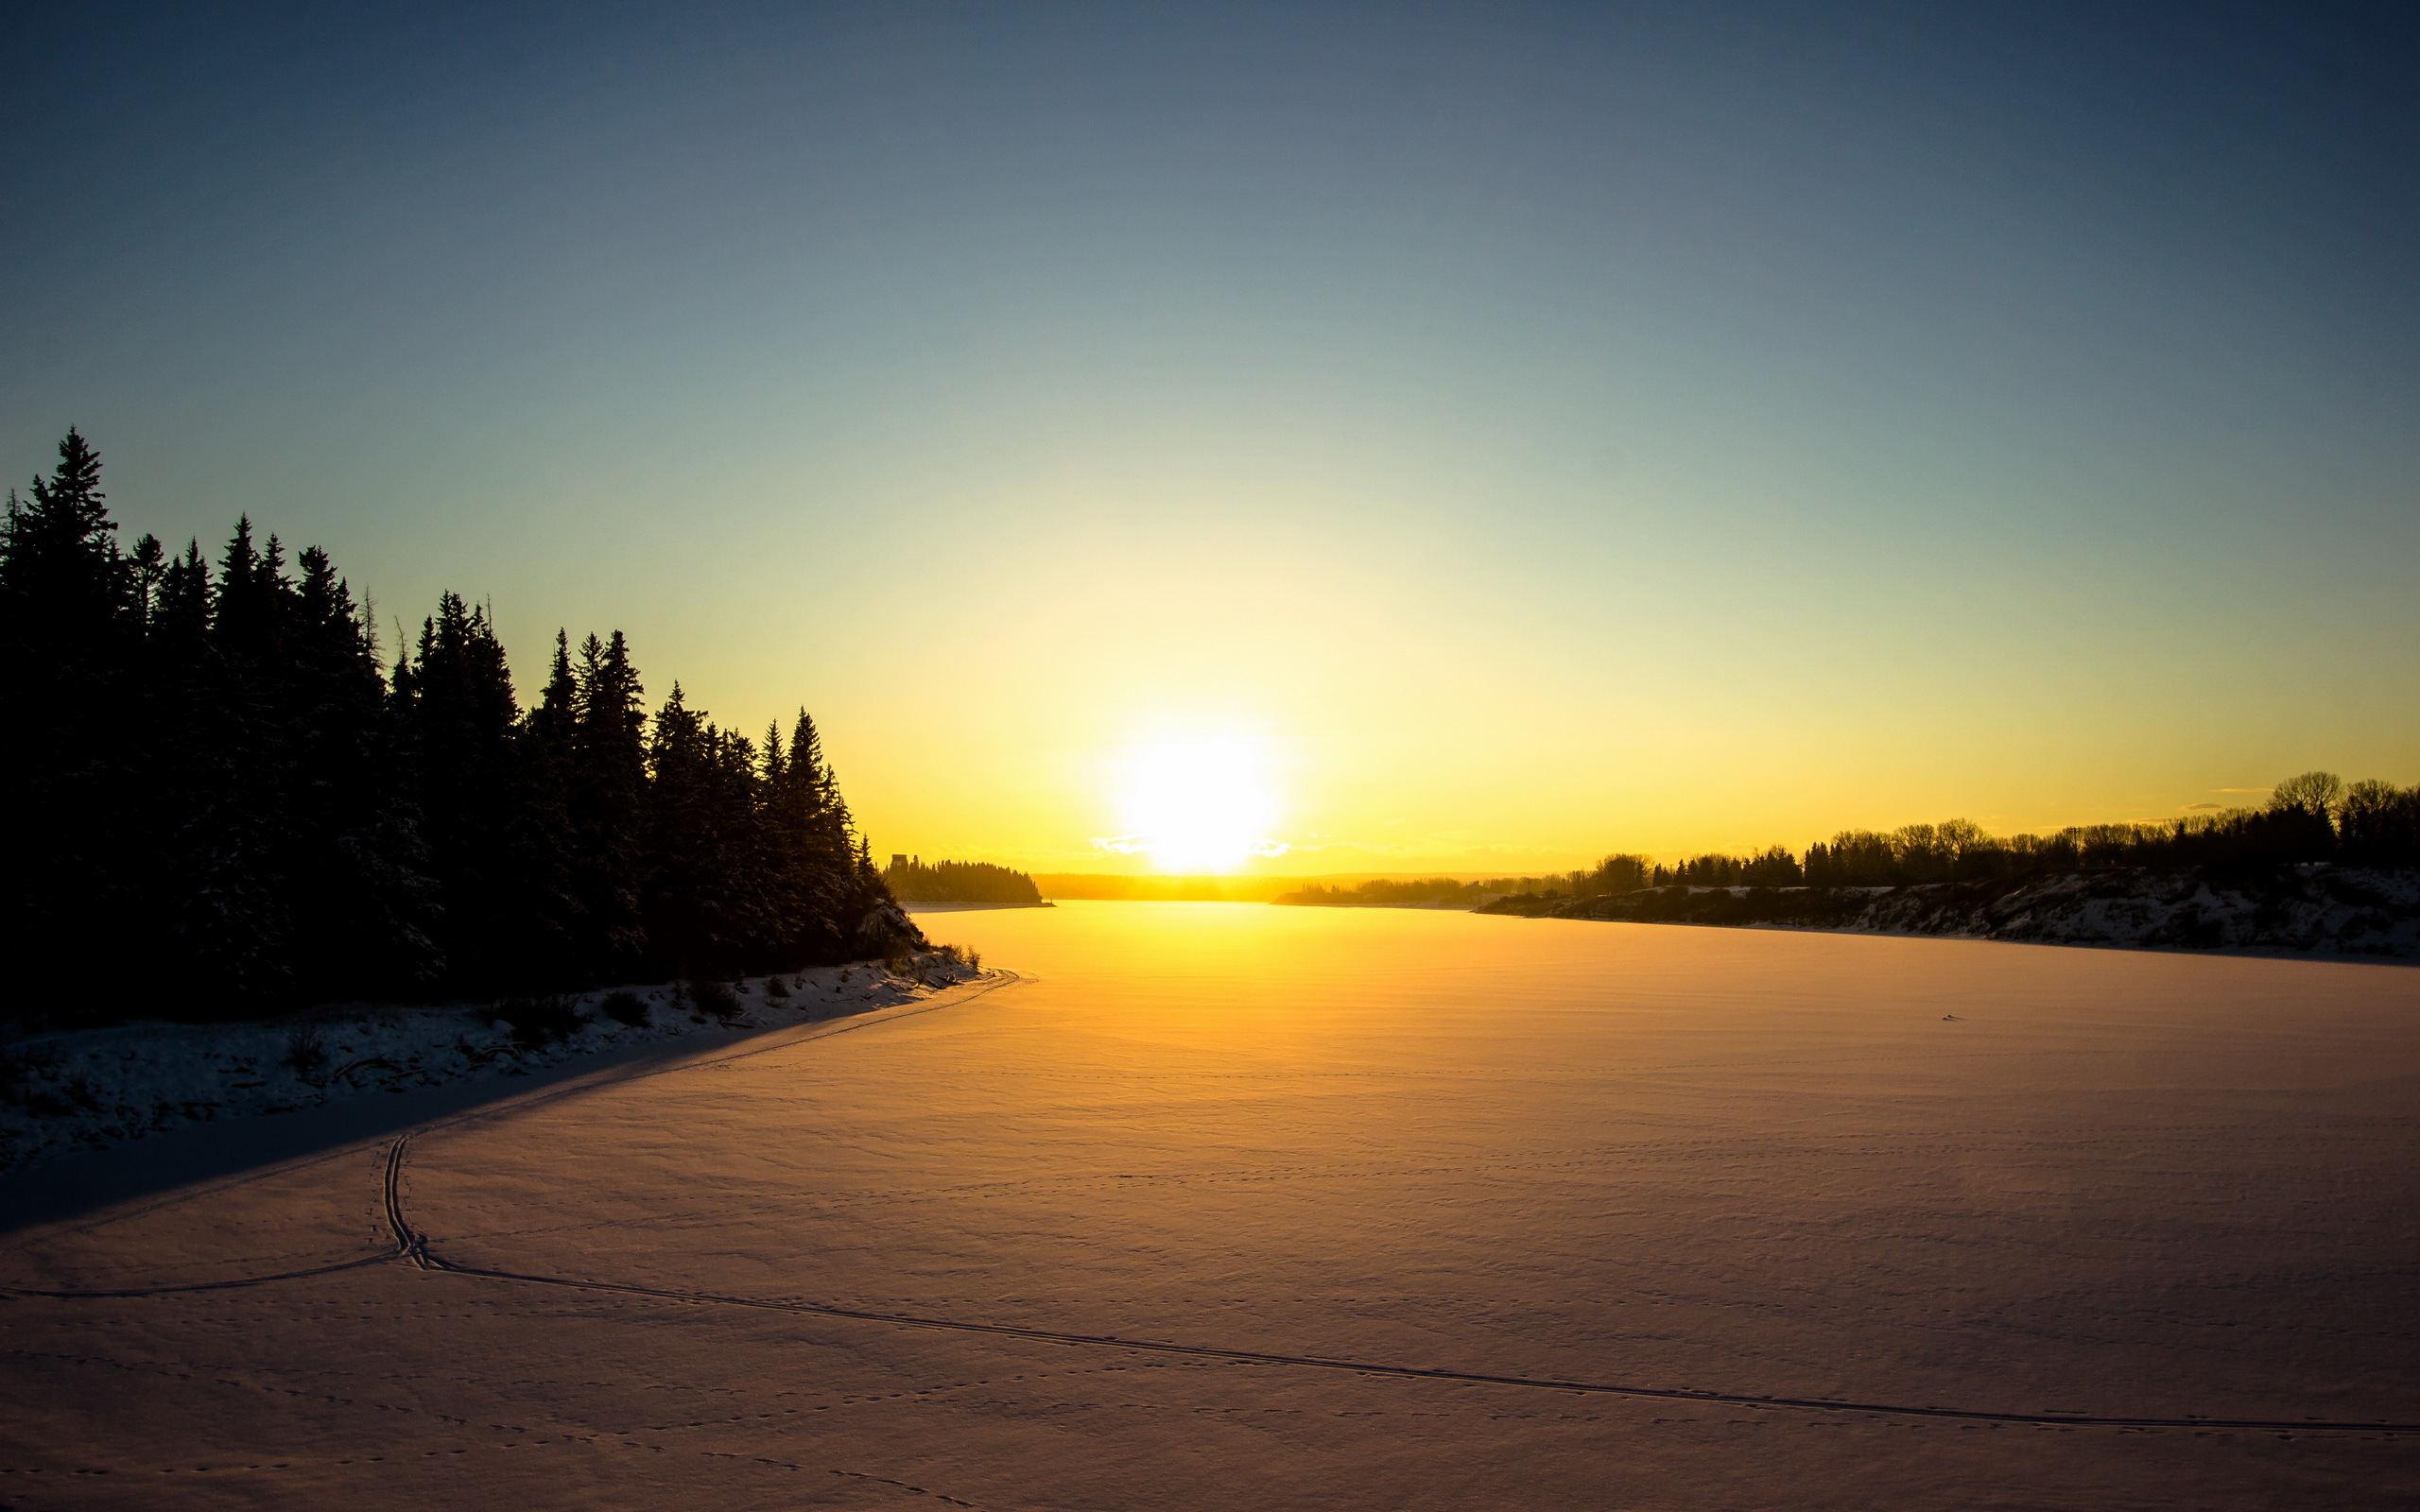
(2313, 792)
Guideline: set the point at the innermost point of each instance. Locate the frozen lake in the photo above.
(1943, 1176)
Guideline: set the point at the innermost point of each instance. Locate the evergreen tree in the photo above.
(211, 780)
(364, 908)
(67, 642)
(681, 848)
(460, 721)
(63, 584)
(606, 795)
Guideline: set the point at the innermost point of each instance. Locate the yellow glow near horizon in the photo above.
(1197, 804)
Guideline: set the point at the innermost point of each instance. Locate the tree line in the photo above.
(216, 790)
(2316, 817)
(1621, 872)
(913, 880)
(2313, 817)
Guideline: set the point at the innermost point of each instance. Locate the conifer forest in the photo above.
(914, 880)
(217, 789)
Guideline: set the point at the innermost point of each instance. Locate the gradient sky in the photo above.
(1544, 430)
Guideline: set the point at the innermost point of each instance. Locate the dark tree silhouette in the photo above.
(211, 780)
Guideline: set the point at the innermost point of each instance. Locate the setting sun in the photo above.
(1196, 805)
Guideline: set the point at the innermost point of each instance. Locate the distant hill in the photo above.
(913, 881)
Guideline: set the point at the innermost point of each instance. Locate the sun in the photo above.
(1197, 804)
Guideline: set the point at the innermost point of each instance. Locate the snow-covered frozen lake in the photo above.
(1180, 1219)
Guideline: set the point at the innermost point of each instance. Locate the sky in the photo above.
(1512, 433)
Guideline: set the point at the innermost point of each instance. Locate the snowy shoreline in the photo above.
(2345, 913)
(74, 1090)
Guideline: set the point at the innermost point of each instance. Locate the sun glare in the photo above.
(1196, 805)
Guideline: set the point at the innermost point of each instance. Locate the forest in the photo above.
(222, 797)
(912, 880)
(2313, 817)
(1619, 873)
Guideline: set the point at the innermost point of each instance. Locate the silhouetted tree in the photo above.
(2379, 825)
(68, 638)
(209, 780)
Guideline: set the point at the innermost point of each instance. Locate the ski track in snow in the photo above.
(412, 1249)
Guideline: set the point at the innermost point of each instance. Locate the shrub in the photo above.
(540, 1021)
(776, 987)
(624, 1009)
(305, 1052)
(714, 999)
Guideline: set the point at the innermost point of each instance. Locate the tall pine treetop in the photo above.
(60, 569)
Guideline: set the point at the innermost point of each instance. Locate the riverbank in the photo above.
(74, 1090)
(2317, 909)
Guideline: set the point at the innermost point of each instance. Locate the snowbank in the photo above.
(81, 1089)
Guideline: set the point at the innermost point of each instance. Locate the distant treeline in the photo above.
(1433, 891)
(216, 792)
(913, 881)
(1247, 888)
(1155, 887)
(2315, 816)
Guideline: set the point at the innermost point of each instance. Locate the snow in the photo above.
(91, 1089)
(2314, 910)
(1165, 1220)
(2346, 911)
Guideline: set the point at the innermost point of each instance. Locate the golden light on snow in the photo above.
(1196, 805)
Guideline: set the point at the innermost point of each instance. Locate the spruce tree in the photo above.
(68, 638)
(364, 910)
(605, 795)
(462, 719)
(679, 840)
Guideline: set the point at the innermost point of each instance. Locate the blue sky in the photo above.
(1549, 429)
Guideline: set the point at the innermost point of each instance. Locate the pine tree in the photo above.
(679, 840)
(364, 910)
(461, 720)
(226, 852)
(63, 584)
(606, 797)
(222, 789)
(67, 643)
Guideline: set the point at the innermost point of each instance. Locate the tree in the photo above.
(210, 781)
(606, 798)
(2378, 824)
(68, 644)
(2310, 793)
(61, 581)
(460, 722)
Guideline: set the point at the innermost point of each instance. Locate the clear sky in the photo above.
(1521, 431)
